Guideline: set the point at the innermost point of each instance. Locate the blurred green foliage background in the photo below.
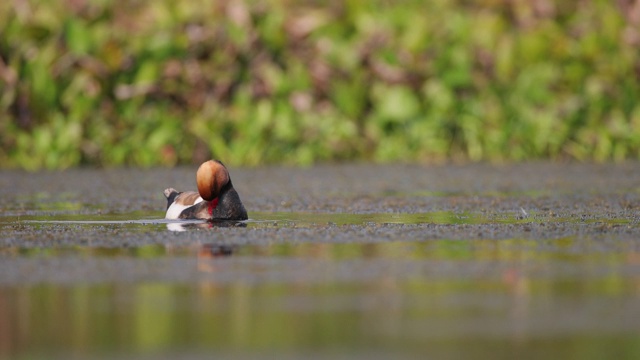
(163, 82)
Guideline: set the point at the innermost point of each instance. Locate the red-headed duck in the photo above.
(216, 198)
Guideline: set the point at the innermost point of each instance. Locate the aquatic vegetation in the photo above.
(162, 82)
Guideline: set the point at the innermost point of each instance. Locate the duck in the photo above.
(216, 198)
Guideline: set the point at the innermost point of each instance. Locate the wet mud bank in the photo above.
(344, 203)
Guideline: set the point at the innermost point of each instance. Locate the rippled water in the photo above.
(528, 274)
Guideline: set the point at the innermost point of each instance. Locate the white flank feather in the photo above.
(176, 209)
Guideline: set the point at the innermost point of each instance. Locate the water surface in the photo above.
(480, 261)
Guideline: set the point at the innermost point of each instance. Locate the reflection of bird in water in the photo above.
(215, 250)
(209, 252)
(207, 255)
(184, 226)
(216, 198)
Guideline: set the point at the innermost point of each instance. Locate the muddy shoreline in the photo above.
(531, 201)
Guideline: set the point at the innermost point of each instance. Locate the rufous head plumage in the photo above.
(211, 177)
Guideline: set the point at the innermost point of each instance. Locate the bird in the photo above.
(216, 198)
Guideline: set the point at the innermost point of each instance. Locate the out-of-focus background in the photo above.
(163, 82)
(462, 245)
